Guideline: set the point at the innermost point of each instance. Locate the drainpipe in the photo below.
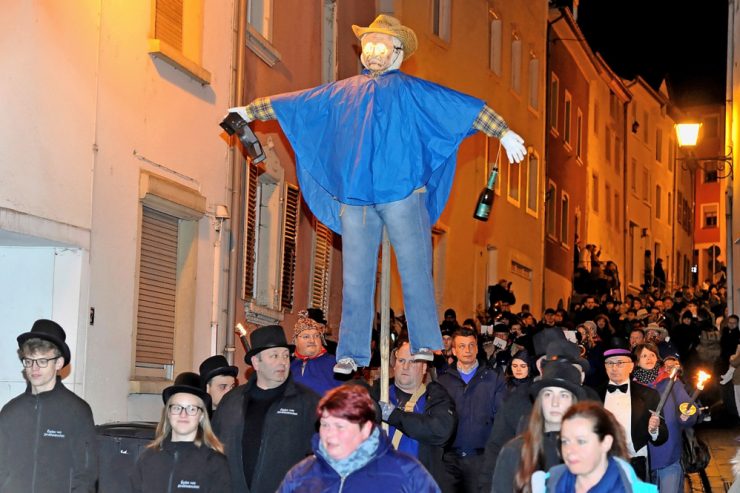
(236, 163)
(729, 86)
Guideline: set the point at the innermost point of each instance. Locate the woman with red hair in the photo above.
(351, 453)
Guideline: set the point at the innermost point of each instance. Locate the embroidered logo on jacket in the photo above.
(54, 434)
(291, 412)
(188, 485)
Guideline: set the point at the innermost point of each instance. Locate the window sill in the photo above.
(261, 315)
(162, 50)
(262, 47)
(144, 385)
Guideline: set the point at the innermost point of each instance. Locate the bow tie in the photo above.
(622, 388)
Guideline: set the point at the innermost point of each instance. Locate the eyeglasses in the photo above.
(308, 337)
(616, 364)
(40, 362)
(177, 409)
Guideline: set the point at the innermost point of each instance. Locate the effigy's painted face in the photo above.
(381, 52)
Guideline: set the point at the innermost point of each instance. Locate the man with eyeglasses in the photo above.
(421, 417)
(266, 425)
(312, 365)
(477, 391)
(47, 434)
(633, 404)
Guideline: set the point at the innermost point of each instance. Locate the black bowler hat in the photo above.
(266, 337)
(189, 383)
(214, 366)
(51, 331)
(564, 349)
(561, 374)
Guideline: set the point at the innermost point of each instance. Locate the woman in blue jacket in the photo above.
(352, 454)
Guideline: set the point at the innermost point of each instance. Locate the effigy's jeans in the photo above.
(409, 231)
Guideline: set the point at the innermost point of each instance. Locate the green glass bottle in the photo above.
(485, 199)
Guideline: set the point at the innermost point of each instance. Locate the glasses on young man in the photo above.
(177, 409)
(40, 362)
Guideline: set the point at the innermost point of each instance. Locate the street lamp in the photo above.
(688, 135)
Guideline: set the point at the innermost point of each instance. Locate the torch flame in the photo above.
(239, 329)
(701, 378)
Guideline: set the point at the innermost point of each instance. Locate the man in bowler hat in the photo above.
(266, 425)
(47, 434)
(217, 378)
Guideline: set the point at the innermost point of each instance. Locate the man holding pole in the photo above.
(379, 150)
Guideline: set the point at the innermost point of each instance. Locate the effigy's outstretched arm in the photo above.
(259, 109)
(491, 124)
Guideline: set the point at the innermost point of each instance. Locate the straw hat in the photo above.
(385, 24)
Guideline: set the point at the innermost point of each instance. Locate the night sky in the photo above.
(680, 40)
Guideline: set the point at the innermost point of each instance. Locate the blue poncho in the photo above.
(372, 140)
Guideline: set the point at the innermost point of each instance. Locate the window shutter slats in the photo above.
(290, 236)
(321, 267)
(157, 284)
(168, 22)
(250, 230)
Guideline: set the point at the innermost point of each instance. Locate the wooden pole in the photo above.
(385, 292)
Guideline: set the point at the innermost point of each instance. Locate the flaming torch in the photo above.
(688, 408)
(242, 333)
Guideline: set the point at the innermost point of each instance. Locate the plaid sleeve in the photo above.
(261, 109)
(490, 123)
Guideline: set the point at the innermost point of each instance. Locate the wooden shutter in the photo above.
(168, 22)
(290, 236)
(321, 267)
(155, 327)
(250, 230)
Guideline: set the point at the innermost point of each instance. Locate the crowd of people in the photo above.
(594, 398)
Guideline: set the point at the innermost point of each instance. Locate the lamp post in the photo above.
(687, 135)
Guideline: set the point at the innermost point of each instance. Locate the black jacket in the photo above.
(432, 429)
(181, 466)
(286, 437)
(510, 458)
(643, 400)
(48, 443)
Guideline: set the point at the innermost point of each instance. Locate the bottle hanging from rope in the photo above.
(485, 199)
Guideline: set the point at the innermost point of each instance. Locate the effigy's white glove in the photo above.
(727, 377)
(241, 111)
(514, 146)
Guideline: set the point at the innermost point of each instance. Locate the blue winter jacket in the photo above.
(389, 471)
(476, 403)
(317, 374)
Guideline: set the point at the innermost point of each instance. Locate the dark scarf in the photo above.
(610, 482)
(645, 377)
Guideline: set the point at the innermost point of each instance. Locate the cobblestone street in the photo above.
(722, 441)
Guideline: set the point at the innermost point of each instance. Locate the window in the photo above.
(616, 211)
(534, 83)
(608, 202)
(318, 296)
(259, 29)
(271, 232)
(496, 37)
(658, 200)
(551, 198)
(259, 16)
(533, 179)
(659, 145)
(645, 184)
(554, 102)
(710, 173)
(514, 181)
(564, 217)
(671, 154)
(176, 36)
(613, 105)
(670, 208)
(618, 155)
(710, 127)
(679, 208)
(516, 64)
(441, 19)
(633, 176)
(608, 144)
(709, 215)
(579, 133)
(596, 118)
(166, 275)
(595, 192)
(566, 117)
(645, 126)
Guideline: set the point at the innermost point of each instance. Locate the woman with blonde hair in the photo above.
(185, 453)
